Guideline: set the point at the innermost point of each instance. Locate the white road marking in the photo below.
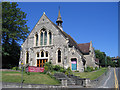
(107, 79)
(105, 82)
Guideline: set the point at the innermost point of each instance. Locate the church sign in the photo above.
(35, 69)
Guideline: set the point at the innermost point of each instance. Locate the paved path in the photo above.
(110, 80)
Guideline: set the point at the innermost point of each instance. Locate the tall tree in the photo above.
(0, 35)
(101, 56)
(14, 30)
(119, 62)
(109, 61)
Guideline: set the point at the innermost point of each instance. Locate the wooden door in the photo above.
(41, 62)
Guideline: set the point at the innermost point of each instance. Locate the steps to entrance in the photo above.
(61, 76)
(71, 79)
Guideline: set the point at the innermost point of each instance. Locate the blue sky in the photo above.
(84, 21)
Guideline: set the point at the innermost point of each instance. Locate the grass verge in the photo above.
(92, 75)
(33, 78)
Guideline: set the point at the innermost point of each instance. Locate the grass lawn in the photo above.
(33, 78)
(92, 75)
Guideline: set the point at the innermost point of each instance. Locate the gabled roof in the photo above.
(84, 47)
(72, 42)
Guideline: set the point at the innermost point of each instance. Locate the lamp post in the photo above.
(22, 75)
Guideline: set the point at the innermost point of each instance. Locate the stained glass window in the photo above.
(41, 38)
(27, 57)
(36, 40)
(59, 56)
(50, 38)
(45, 38)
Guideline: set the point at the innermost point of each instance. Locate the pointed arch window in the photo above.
(45, 38)
(59, 56)
(50, 38)
(37, 54)
(27, 57)
(41, 38)
(42, 54)
(46, 53)
(36, 39)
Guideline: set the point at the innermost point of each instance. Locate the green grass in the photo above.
(33, 78)
(91, 75)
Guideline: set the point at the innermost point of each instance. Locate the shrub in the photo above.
(68, 70)
(76, 71)
(15, 68)
(62, 70)
(48, 66)
(96, 68)
(66, 73)
(89, 69)
(45, 71)
(57, 68)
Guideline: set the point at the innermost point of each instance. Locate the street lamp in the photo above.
(22, 75)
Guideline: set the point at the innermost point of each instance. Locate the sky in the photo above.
(83, 21)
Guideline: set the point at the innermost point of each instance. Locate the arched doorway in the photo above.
(73, 63)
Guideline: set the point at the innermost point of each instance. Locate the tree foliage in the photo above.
(118, 62)
(14, 30)
(105, 60)
(110, 62)
(13, 24)
(101, 56)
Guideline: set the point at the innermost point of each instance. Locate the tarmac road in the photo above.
(111, 79)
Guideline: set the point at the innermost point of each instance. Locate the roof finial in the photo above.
(43, 12)
(59, 16)
(59, 19)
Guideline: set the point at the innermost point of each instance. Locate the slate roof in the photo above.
(84, 47)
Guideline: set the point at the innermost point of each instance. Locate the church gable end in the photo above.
(48, 42)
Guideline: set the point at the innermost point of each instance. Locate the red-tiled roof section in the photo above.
(84, 47)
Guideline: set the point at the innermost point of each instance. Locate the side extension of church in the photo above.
(48, 42)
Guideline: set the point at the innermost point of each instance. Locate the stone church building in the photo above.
(48, 42)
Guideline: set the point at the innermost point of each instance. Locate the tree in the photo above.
(101, 56)
(14, 30)
(109, 61)
(119, 62)
(0, 35)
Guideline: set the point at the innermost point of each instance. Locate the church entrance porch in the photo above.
(41, 62)
(74, 64)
